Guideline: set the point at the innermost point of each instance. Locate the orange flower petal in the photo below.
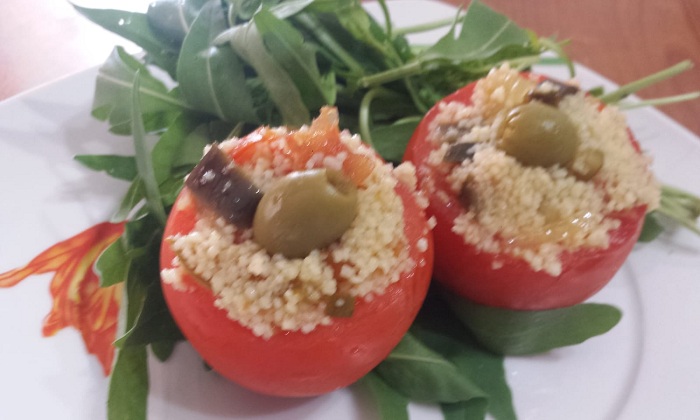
(78, 300)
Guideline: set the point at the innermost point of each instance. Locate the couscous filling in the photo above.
(269, 292)
(533, 198)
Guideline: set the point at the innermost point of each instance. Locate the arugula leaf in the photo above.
(128, 385)
(297, 58)
(179, 148)
(113, 264)
(134, 27)
(281, 9)
(474, 409)
(355, 19)
(651, 228)
(180, 145)
(244, 9)
(334, 44)
(132, 199)
(145, 321)
(163, 349)
(392, 405)
(120, 167)
(112, 100)
(513, 332)
(212, 77)
(442, 332)
(144, 163)
(154, 324)
(390, 141)
(484, 34)
(422, 374)
(140, 233)
(247, 42)
(171, 20)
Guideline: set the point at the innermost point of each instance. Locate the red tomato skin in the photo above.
(469, 272)
(294, 364)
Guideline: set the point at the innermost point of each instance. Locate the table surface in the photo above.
(623, 40)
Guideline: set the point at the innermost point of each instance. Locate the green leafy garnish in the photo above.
(421, 374)
(120, 167)
(112, 100)
(439, 361)
(212, 78)
(511, 332)
(128, 385)
(136, 28)
(144, 164)
(289, 58)
(391, 403)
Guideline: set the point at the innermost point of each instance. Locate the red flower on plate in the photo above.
(78, 299)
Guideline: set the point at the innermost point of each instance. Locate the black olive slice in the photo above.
(224, 188)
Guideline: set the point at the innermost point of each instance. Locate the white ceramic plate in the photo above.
(645, 368)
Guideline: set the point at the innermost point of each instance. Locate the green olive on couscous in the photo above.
(305, 210)
(537, 134)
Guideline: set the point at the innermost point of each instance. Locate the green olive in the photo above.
(538, 135)
(587, 163)
(304, 211)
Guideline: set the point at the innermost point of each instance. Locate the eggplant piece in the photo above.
(223, 187)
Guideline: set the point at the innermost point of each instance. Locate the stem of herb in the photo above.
(421, 106)
(391, 75)
(681, 206)
(660, 101)
(558, 49)
(387, 19)
(364, 115)
(644, 82)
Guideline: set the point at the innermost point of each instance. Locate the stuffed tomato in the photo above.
(295, 260)
(538, 190)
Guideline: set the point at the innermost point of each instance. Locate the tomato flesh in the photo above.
(465, 270)
(295, 363)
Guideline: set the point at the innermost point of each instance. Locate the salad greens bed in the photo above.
(211, 69)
